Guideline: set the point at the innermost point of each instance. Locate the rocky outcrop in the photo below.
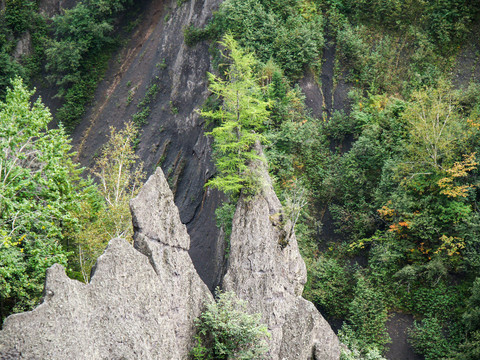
(266, 269)
(142, 301)
(138, 305)
(24, 46)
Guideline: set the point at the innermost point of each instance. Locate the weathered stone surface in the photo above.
(24, 46)
(161, 236)
(270, 276)
(142, 304)
(54, 7)
(135, 306)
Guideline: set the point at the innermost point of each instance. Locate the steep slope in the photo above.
(156, 62)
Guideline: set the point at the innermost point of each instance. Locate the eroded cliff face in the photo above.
(138, 304)
(265, 269)
(142, 301)
(173, 134)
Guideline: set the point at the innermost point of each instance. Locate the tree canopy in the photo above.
(39, 188)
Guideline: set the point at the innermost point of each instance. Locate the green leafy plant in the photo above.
(367, 317)
(107, 215)
(225, 330)
(40, 189)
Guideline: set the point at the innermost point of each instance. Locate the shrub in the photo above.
(227, 331)
(427, 338)
(329, 286)
(367, 317)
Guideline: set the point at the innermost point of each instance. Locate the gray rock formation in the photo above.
(135, 307)
(141, 302)
(267, 271)
(24, 46)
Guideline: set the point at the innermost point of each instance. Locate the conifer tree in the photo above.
(240, 120)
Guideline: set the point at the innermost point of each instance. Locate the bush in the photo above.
(329, 286)
(427, 338)
(227, 331)
(367, 317)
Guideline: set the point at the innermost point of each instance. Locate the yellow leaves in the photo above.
(308, 9)
(458, 170)
(386, 212)
(473, 123)
(452, 245)
(356, 245)
(7, 241)
(379, 102)
(461, 169)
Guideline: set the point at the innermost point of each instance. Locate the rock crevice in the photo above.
(138, 304)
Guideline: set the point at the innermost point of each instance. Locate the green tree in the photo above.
(470, 349)
(239, 120)
(436, 127)
(106, 214)
(227, 331)
(367, 317)
(39, 188)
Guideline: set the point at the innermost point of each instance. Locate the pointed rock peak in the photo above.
(265, 269)
(127, 311)
(155, 215)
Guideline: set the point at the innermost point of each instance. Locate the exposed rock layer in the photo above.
(173, 136)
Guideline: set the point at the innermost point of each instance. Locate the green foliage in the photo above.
(141, 116)
(367, 317)
(77, 96)
(9, 68)
(106, 214)
(224, 217)
(470, 349)
(194, 35)
(239, 122)
(19, 14)
(227, 331)
(356, 350)
(427, 338)
(78, 52)
(39, 190)
(285, 31)
(329, 286)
